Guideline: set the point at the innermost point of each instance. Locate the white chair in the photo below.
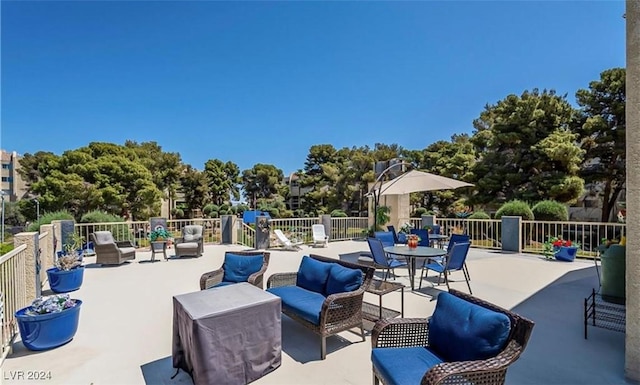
(319, 237)
(286, 243)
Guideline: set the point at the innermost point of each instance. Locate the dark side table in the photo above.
(157, 247)
(372, 312)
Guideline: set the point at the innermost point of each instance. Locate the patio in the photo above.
(125, 328)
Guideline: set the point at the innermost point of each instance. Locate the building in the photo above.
(12, 184)
(295, 191)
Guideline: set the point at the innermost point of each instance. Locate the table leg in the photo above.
(412, 271)
(380, 308)
(402, 302)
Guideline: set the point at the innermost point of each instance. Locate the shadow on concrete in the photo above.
(303, 345)
(160, 371)
(557, 352)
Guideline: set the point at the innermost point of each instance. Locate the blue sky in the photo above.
(261, 82)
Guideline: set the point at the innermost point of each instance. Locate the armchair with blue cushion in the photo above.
(466, 341)
(238, 266)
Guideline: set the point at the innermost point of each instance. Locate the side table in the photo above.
(157, 247)
(372, 312)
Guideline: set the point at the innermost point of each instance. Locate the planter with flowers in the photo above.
(68, 273)
(560, 249)
(49, 322)
(413, 240)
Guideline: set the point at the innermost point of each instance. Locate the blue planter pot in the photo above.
(61, 281)
(565, 253)
(47, 331)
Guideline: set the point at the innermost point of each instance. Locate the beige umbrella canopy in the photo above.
(416, 181)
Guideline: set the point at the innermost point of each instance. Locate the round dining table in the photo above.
(413, 253)
(438, 239)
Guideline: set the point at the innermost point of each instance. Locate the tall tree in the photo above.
(223, 179)
(195, 188)
(601, 126)
(261, 181)
(512, 164)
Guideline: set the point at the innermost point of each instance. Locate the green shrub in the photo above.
(177, 213)
(97, 216)
(419, 212)
(550, 210)
(479, 215)
(338, 214)
(48, 218)
(515, 208)
(5, 248)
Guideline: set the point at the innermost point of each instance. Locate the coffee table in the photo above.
(227, 335)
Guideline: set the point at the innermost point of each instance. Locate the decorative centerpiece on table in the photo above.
(412, 241)
(49, 321)
(405, 230)
(68, 273)
(560, 249)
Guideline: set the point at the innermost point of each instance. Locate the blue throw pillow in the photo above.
(461, 331)
(238, 268)
(313, 274)
(343, 279)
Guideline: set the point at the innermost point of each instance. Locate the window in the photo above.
(6, 166)
(7, 179)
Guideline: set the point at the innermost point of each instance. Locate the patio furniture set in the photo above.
(467, 340)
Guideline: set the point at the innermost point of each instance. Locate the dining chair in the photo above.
(453, 261)
(381, 260)
(459, 238)
(386, 237)
(424, 237)
(392, 230)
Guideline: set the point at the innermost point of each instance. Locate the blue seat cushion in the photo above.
(343, 279)
(401, 366)
(313, 274)
(238, 268)
(461, 331)
(305, 303)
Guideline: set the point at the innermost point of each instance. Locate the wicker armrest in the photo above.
(340, 306)
(211, 278)
(124, 244)
(282, 279)
(178, 240)
(400, 332)
(257, 278)
(479, 371)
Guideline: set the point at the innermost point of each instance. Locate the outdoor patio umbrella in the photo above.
(416, 181)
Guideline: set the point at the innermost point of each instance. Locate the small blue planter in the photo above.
(61, 281)
(48, 331)
(565, 253)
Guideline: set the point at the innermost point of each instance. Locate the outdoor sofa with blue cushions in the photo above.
(238, 266)
(465, 341)
(325, 295)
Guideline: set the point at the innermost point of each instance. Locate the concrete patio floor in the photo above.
(124, 336)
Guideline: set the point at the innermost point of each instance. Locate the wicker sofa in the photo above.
(111, 252)
(325, 295)
(466, 341)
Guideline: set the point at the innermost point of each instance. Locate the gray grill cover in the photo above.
(227, 335)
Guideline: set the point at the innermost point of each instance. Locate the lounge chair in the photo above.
(319, 236)
(110, 252)
(286, 243)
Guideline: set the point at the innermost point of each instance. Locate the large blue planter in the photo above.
(47, 331)
(61, 281)
(565, 253)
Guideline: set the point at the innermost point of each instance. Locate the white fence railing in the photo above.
(587, 234)
(13, 290)
(348, 228)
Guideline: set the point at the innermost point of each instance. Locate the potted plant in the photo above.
(159, 234)
(413, 240)
(68, 273)
(560, 249)
(49, 321)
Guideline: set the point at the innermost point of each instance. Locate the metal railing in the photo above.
(296, 229)
(13, 290)
(246, 235)
(343, 229)
(588, 235)
(484, 233)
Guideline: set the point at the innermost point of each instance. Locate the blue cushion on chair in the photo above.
(343, 279)
(313, 274)
(238, 268)
(401, 366)
(461, 331)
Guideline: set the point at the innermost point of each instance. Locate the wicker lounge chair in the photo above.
(457, 345)
(191, 242)
(223, 276)
(109, 251)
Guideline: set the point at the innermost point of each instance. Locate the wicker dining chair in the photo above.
(466, 341)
